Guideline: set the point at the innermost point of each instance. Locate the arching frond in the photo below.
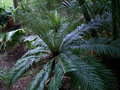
(116, 43)
(56, 80)
(100, 46)
(101, 71)
(87, 76)
(39, 81)
(81, 30)
(21, 67)
(73, 36)
(36, 51)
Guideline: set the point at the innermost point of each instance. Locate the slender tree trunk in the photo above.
(85, 12)
(114, 19)
(15, 2)
(87, 17)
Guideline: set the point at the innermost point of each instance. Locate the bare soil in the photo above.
(8, 62)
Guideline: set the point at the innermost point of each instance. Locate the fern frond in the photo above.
(86, 76)
(56, 80)
(36, 51)
(34, 41)
(100, 46)
(39, 82)
(116, 43)
(73, 36)
(21, 67)
(66, 63)
(101, 71)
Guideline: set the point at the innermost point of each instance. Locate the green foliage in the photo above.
(10, 39)
(14, 35)
(4, 16)
(6, 4)
(4, 76)
(100, 46)
(41, 78)
(22, 67)
(65, 51)
(56, 81)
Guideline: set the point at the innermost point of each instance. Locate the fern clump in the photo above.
(65, 51)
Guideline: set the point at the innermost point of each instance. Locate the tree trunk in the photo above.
(15, 2)
(87, 17)
(115, 18)
(114, 24)
(85, 12)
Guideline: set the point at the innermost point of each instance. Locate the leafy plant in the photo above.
(10, 39)
(4, 16)
(65, 53)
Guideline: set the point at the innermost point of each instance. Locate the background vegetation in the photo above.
(6, 3)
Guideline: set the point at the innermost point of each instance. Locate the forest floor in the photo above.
(8, 62)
